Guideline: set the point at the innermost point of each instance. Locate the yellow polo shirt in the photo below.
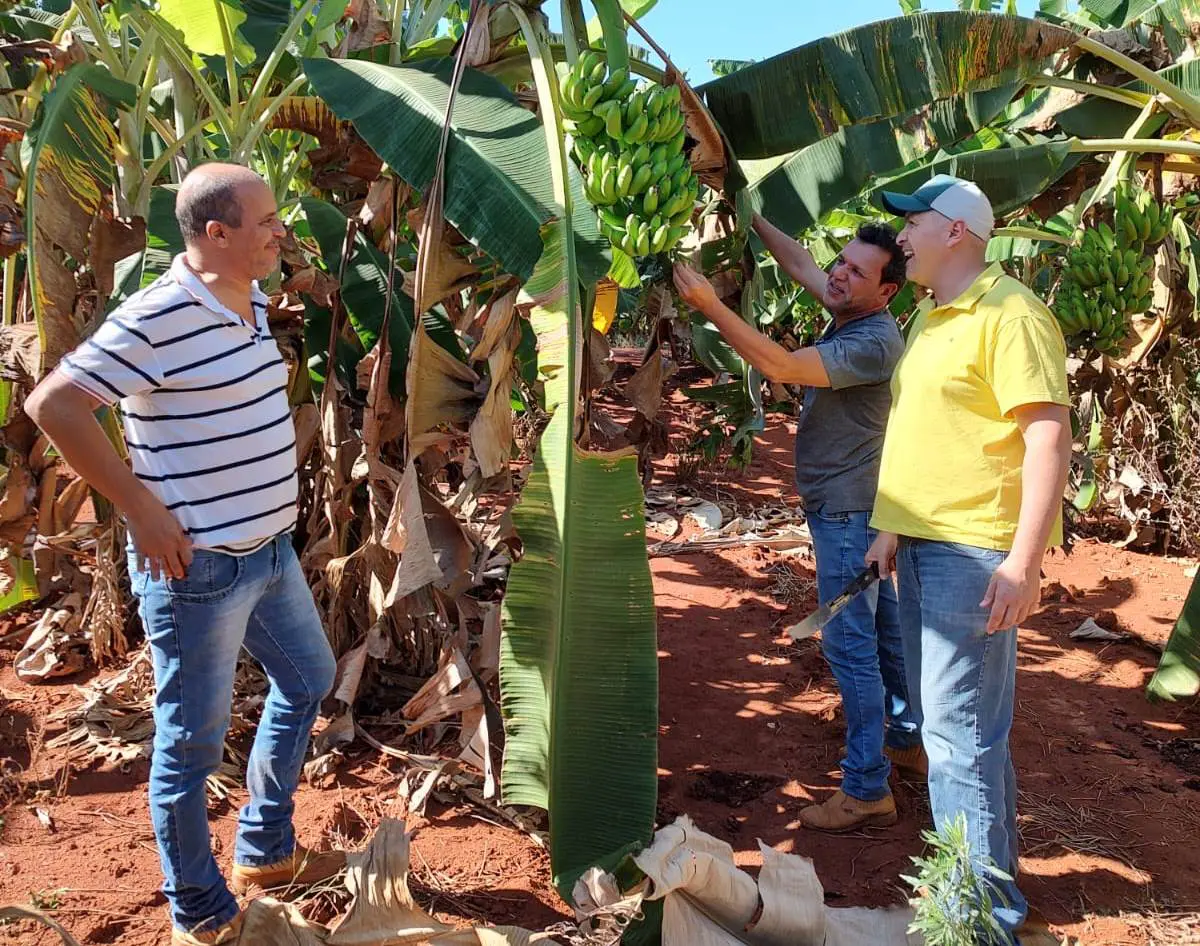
(951, 468)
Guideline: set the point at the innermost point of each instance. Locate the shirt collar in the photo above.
(192, 284)
(982, 285)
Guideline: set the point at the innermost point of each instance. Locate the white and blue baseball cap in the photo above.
(952, 197)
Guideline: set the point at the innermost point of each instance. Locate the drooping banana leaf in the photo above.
(1178, 674)
(1011, 177)
(796, 191)
(498, 179)
(1104, 118)
(364, 294)
(875, 72)
(579, 665)
(68, 156)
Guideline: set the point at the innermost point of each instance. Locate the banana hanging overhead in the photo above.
(629, 143)
(1109, 275)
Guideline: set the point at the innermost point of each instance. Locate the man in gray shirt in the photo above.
(839, 441)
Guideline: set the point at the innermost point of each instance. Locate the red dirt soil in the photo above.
(751, 731)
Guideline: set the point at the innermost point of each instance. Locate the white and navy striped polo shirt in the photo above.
(204, 401)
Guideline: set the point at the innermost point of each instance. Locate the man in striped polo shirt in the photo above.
(210, 503)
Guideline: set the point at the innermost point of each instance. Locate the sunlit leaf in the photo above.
(875, 72)
(69, 157)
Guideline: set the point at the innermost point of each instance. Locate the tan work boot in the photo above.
(227, 935)
(912, 760)
(302, 866)
(844, 812)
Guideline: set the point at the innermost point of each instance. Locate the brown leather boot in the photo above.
(911, 761)
(227, 935)
(844, 812)
(301, 867)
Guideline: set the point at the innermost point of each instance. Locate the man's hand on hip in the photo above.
(163, 548)
(1012, 595)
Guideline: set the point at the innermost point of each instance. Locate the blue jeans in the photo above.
(196, 627)
(863, 647)
(963, 686)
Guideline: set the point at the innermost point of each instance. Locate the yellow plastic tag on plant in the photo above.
(604, 312)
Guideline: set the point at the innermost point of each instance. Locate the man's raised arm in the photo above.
(774, 361)
(793, 257)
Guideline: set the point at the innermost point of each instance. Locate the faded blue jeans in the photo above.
(863, 648)
(962, 684)
(196, 627)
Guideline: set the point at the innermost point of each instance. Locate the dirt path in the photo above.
(751, 731)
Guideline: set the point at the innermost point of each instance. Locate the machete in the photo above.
(824, 614)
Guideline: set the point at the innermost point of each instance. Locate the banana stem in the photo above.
(235, 104)
(1124, 96)
(396, 45)
(10, 289)
(1031, 233)
(142, 200)
(258, 92)
(1136, 145)
(246, 148)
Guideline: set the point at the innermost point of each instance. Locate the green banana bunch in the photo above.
(1109, 275)
(629, 142)
(1141, 221)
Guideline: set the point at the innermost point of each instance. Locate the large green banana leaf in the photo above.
(1121, 13)
(253, 27)
(70, 166)
(1178, 674)
(578, 664)
(875, 72)
(364, 294)
(498, 180)
(266, 21)
(203, 24)
(796, 191)
(1011, 177)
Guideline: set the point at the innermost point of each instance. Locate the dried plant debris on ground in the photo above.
(789, 586)
(381, 910)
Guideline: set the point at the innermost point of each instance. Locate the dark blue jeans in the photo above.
(863, 647)
(196, 627)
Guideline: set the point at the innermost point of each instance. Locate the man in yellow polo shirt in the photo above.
(970, 496)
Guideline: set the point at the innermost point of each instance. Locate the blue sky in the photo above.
(694, 31)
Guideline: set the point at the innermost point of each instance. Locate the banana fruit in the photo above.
(629, 143)
(1109, 275)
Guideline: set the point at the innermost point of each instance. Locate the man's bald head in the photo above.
(230, 222)
(212, 192)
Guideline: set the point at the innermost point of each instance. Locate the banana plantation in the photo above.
(481, 209)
